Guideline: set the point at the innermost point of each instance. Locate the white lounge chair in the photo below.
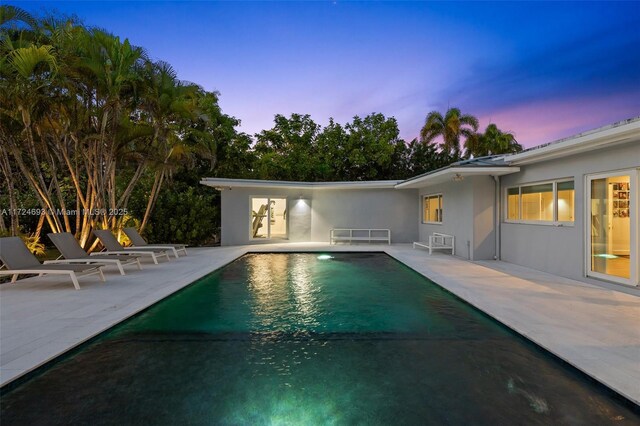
(19, 261)
(138, 242)
(113, 247)
(71, 251)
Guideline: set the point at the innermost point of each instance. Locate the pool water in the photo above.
(294, 339)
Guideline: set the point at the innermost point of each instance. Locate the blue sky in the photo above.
(542, 70)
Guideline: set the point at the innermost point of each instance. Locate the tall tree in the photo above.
(287, 151)
(86, 118)
(451, 128)
(371, 148)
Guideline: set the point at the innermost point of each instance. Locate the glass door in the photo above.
(611, 227)
(268, 218)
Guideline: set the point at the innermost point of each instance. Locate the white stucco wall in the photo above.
(326, 208)
(371, 208)
(560, 250)
(468, 214)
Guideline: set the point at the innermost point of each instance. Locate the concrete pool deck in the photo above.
(594, 327)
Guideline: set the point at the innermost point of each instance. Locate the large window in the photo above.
(432, 208)
(547, 202)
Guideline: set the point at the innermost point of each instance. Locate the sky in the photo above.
(542, 70)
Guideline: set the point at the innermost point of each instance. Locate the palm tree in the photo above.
(451, 127)
(11, 15)
(493, 141)
(168, 104)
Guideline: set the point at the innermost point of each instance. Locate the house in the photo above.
(569, 207)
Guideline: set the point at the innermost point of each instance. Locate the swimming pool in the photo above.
(304, 339)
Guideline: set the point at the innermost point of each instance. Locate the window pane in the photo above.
(425, 209)
(259, 211)
(611, 226)
(278, 217)
(566, 196)
(513, 203)
(432, 207)
(537, 202)
(534, 189)
(565, 185)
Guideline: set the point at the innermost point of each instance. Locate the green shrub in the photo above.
(185, 214)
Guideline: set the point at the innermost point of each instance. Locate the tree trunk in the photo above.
(152, 198)
(5, 166)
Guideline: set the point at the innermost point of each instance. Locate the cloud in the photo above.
(544, 121)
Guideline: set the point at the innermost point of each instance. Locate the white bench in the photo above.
(439, 241)
(348, 235)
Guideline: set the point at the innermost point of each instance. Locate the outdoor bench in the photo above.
(438, 241)
(349, 235)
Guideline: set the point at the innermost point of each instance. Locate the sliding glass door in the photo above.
(268, 218)
(612, 220)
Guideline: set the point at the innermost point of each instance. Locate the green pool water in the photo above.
(294, 339)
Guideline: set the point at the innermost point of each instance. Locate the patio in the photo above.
(592, 326)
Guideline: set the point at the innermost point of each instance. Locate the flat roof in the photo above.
(452, 173)
(223, 183)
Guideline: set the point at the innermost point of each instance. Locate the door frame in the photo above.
(268, 237)
(633, 225)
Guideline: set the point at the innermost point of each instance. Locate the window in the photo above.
(566, 195)
(548, 202)
(432, 208)
(513, 203)
(537, 202)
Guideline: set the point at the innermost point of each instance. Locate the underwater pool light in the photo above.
(325, 257)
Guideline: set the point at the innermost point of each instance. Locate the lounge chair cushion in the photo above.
(68, 245)
(108, 240)
(138, 241)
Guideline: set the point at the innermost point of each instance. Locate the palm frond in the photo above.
(12, 14)
(25, 60)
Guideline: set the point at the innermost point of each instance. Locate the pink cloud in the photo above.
(545, 121)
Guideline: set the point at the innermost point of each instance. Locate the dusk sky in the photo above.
(541, 70)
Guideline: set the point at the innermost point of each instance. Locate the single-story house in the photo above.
(569, 207)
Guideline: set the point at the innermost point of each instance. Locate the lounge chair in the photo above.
(112, 246)
(138, 242)
(19, 260)
(73, 253)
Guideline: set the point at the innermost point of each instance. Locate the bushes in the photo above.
(185, 214)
